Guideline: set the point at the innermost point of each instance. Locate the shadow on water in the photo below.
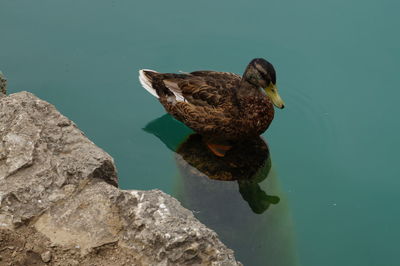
(248, 163)
(233, 195)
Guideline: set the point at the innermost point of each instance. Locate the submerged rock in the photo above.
(59, 198)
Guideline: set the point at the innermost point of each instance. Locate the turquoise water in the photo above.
(332, 150)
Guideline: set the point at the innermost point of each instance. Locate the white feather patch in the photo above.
(146, 83)
(173, 87)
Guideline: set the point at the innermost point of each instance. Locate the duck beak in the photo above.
(272, 92)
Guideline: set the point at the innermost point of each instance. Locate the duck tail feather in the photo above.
(146, 81)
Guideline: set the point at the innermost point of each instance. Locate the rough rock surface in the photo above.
(44, 158)
(60, 205)
(3, 85)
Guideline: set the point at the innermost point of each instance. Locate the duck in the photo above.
(223, 107)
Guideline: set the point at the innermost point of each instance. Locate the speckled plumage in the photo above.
(217, 105)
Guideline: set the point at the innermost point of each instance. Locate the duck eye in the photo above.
(263, 75)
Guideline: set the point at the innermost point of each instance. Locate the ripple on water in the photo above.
(309, 119)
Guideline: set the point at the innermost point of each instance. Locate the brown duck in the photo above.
(223, 107)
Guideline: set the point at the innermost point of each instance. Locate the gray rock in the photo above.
(150, 223)
(3, 85)
(73, 263)
(177, 236)
(46, 256)
(44, 158)
(53, 177)
(86, 220)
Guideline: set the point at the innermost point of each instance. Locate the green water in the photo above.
(332, 150)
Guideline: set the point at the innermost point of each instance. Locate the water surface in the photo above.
(332, 150)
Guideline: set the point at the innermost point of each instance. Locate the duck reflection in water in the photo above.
(248, 162)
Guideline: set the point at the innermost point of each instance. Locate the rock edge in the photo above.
(60, 205)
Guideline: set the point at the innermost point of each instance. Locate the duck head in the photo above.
(261, 73)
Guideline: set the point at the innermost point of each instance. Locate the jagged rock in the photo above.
(3, 85)
(58, 192)
(44, 158)
(102, 214)
(180, 238)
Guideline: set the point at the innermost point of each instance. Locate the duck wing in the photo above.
(203, 100)
(225, 80)
(199, 91)
(227, 76)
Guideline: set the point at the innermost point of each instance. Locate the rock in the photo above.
(73, 262)
(44, 158)
(100, 214)
(46, 256)
(56, 179)
(3, 85)
(89, 219)
(177, 236)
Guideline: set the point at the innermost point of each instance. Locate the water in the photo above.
(332, 150)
